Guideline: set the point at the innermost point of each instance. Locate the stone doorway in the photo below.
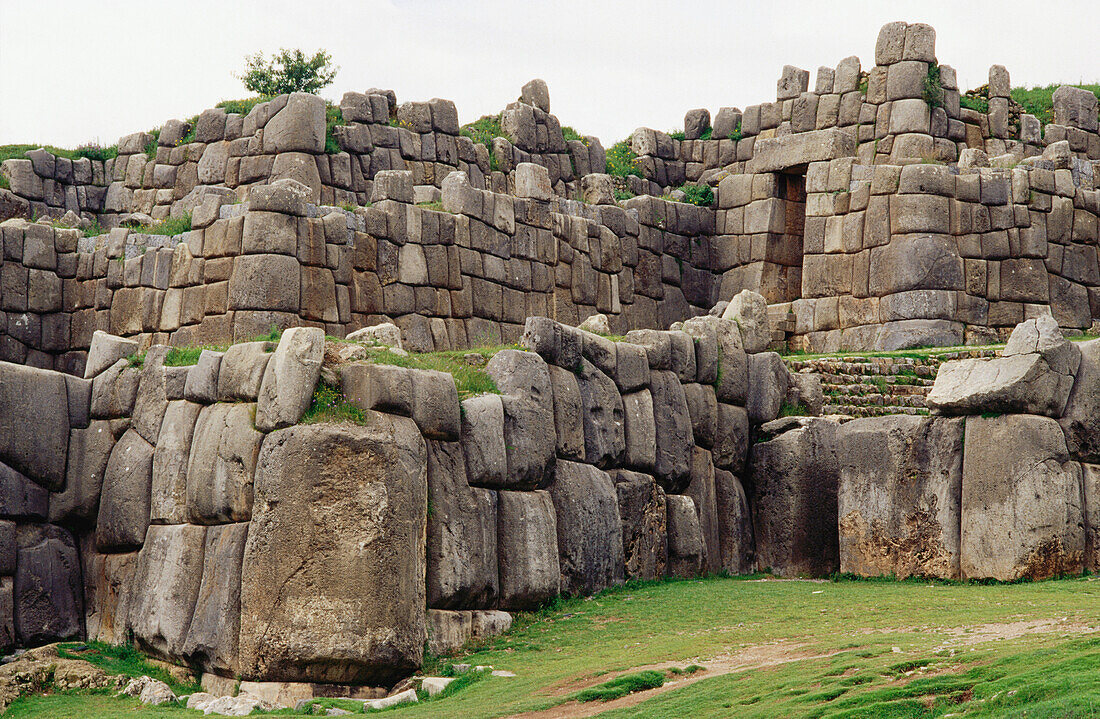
(783, 254)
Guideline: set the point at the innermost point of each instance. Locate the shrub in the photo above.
(736, 134)
(621, 160)
(288, 71)
(168, 226)
(330, 405)
(242, 107)
(1039, 101)
(933, 87)
(333, 117)
(570, 134)
(676, 135)
(700, 195)
(974, 102)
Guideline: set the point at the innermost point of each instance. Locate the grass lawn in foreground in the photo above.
(777, 648)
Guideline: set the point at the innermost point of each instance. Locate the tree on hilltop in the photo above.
(288, 71)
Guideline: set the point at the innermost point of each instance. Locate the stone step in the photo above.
(854, 411)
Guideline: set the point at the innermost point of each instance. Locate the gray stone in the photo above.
(631, 367)
(286, 196)
(124, 503)
(483, 441)
(168, 504)
(202, 378)
(1081, 419)
(536, 93)
(334, 562)
(674, 439)
(750, 311)
(34, 423)
(703, 409)
(696, 122)
(152, 395)
(590, 540)
(20, 497)
(568, 425)
(775, 154)
(462, 533)
(702, 492)
(602, 417)
(528, 549)
(114, 391)
(241, 371)
(769, 381)
(644, 526)
(899, 497)
(224, 452)
(290, 378)
(737, 548)
(166, 586)
(704, 333)
(105, 350)
(640, 431)
(686, 548)
(1021, 500)
(731, 438)
(1034, 375)
(107, 590)
(46, 591)
(448, 631)
(794, 492)
(732, 383)
(298, 127)
(212, 634)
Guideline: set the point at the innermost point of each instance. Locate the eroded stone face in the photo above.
(334, 562)
(900, 495)
(1021, 500)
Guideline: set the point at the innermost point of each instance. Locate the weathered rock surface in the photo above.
(462, 533)
(124, 503)
(34, 426)
(1081, 419)
(687, 551)
(601, 416)
(223, 459)
(212, 634)
(165, 588)
(644, 524)
(105, 350)
(735, 538)
(794, 493)
(1021, 500)
(290, 378)
(47, 594)
(750, 311)
(590, 539)
(1034, 376)
(89, 450)
(702, 492)
(900, 494)
(334, 562)
(527, 544)
(168, 503)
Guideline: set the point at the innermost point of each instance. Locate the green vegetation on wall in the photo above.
(621, 160)
(1039, 101)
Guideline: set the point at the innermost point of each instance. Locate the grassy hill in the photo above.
(771, 648)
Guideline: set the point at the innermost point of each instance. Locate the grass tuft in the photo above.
(621, 160)
(169, 226)
(330, 405)
(121, 659)
(620, 687)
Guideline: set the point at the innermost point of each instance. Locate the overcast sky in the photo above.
(79, 71)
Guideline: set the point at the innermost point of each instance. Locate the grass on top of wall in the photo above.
(470, 380)
(1039, 101)
(169, 226)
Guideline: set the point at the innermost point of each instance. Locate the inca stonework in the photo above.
(190, 510)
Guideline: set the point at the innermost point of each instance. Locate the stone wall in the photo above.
(462, 273)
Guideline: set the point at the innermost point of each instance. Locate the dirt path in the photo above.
(774, 654)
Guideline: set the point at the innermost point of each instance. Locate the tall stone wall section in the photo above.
(463, 275)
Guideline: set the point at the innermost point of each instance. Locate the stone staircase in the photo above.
(868, 386)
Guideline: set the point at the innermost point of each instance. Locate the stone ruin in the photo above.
(187, 509)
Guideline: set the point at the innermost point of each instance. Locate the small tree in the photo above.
(288, 71)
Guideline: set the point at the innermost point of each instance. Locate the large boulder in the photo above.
(602, 416)
(1021, 500)
(735, 540)
(702, 492)
(1081, 419)
(298, 127)
(568, 425)
(1034, 376)
(108, 580)
(168, 504)
(224, 449)
(89, 450)
(793, 470)
(590, 538)
(527, 547)
(687, 551)
(769, 380)
(334, 562)
(105, 350)
(645, 531)
(462, 533)
(47, 595)
(212, 634)
(900, 495)
(166, 586)
(290, 377)
(673, 427)
(34, 423)
(750, 311)
(124, 503)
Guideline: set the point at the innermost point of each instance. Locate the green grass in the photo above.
(974, 102)
(470, 381)
(701, 195)
(123, 660)
(621, 160)
(242, 107)
(838, 648)
(333, 117)
(330, 405)
(92, 152)
(483, 131)
(1039, 101)
(570, 134)
(183, 356)
(621, 686)
(168, 226)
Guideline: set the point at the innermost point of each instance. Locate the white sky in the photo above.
(77, 71)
